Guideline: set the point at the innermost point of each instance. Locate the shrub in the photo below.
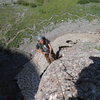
(22, 2)
(33, 5)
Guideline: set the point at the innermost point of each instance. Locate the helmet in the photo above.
(40, 38)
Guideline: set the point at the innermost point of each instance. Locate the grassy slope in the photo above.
(18, 22)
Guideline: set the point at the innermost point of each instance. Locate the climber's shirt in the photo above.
(44, 47)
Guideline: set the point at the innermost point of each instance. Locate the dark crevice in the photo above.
(43, 72)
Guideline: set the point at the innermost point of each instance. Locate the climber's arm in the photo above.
(50, 48)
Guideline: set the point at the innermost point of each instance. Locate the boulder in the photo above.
(75, 76)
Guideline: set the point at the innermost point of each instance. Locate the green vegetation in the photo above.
(25, 3)
(26, 18)
(88, 1)
(97, 48)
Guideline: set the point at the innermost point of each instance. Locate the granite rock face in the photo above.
(40, 62)
(19, 78)
(75, 76)
(28, 80)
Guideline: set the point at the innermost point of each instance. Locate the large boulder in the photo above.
(75, 76)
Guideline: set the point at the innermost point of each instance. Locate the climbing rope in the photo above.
(59, 83)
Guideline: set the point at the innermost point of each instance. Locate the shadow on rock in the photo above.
(88, 84)
(11, 64)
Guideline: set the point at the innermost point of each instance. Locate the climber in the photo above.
(43, 46)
